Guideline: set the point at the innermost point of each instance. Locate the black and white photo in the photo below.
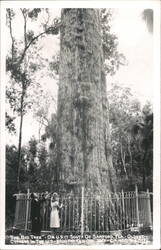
(80, 143)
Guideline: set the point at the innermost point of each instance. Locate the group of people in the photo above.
(41, 205)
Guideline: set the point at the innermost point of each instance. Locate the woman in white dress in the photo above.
(54, 214)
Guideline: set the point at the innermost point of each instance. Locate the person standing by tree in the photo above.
(35, 215)
(54, 215)
(44, 209)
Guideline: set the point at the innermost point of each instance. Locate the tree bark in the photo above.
(131, 160)
(123, 161)
(143, 170)
(19, 143)
(83, 142)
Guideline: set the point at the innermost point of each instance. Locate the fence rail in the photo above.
(116, 211)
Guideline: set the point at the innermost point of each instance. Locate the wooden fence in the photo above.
(116, 211)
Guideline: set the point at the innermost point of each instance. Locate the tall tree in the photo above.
(143, 130)
(20, 65)
(83, 136)
(125, 110)
(131, 138)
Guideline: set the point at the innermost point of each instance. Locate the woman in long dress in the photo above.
(54, 214)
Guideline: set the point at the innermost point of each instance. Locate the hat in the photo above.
(34, 195)
(55, 195)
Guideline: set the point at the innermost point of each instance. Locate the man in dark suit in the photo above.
(35, 215)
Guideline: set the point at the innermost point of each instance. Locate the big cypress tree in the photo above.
(83, 136)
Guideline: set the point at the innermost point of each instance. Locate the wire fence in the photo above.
(115, 211)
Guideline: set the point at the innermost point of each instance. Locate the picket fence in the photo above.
(84, 214)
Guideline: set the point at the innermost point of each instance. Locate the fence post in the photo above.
(149, 208)
(123, 207)
(82, 212)
(123, 204)
(27, 209)
(137, 206)
(16, 210)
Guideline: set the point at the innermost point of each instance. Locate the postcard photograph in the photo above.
(80, 137)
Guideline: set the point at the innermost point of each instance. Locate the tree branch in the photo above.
(32, 40)
(11, 34)
(25, 27)
(27, 46)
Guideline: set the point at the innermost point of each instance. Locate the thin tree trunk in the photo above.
(123, 161)
(21, 107)
(19, 144)
(130, 154)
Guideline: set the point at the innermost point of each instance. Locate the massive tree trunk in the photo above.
(83, 143)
